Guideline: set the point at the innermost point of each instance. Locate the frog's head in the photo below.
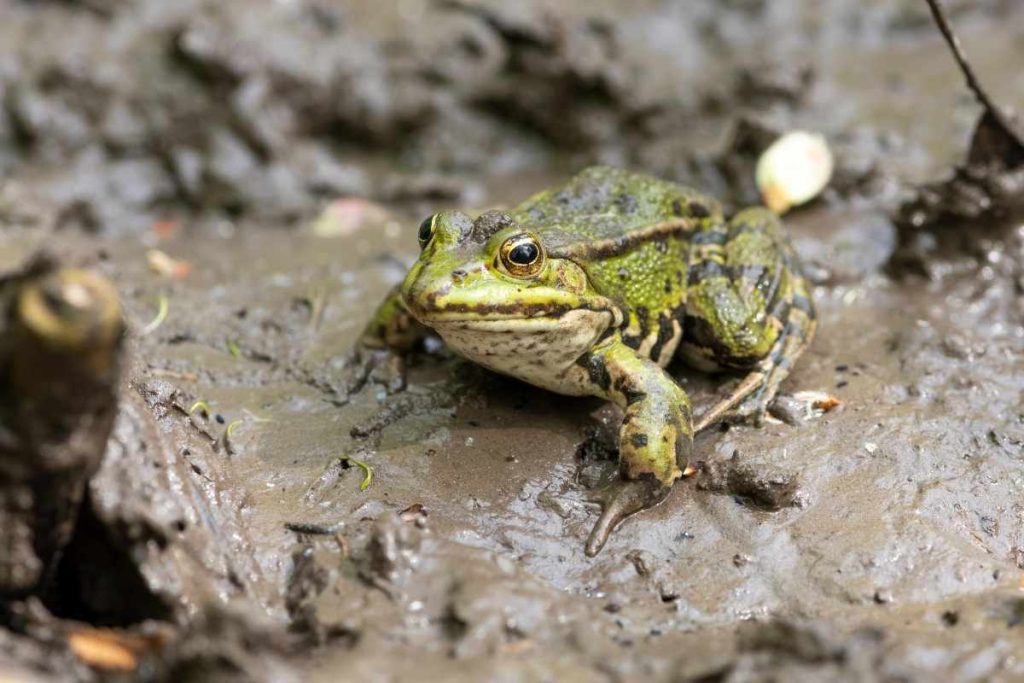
(490, 269)
(493, 291)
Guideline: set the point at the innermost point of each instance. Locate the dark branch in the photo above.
(973, 83)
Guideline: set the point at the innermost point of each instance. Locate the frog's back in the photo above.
(631, 234)
(613, 208)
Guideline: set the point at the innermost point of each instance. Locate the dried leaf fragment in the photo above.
(110, 649)
(162, 264)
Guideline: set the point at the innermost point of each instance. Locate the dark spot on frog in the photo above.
(596, 369)
(668, 286)
(631, 395)
(677, 207)
(661, 246)
(698, 210)
(666, 332)
(626, 202)
(623, 274)
(700, 332)
(643, 316)
(638, 440)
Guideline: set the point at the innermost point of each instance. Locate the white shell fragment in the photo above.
(793, 170)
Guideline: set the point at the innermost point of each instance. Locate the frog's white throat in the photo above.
(541, 350)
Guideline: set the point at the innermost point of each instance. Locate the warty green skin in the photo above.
(635, 271)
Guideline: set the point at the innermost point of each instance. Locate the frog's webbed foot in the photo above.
(655, 440)
(619, 500)
(753, 397)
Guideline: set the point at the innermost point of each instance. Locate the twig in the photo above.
(156, 322)
(174, 374)
(314, 528)
(996, 112)
(317, 298)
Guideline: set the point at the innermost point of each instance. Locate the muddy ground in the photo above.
(883, 540)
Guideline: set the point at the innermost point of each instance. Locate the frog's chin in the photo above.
(542, 350)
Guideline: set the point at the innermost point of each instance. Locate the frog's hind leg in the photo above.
(755, 392)
(748, 309)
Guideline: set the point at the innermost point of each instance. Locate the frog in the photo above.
(592, 288)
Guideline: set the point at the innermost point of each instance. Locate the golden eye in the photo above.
(426, 231)
(522, 255)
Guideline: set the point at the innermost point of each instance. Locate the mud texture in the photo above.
(232, 531)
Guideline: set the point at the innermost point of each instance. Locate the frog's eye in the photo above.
(426, 230)
(522, 255)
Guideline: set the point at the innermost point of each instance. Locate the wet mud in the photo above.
(252, 520)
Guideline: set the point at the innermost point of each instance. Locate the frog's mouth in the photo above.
(488, 314)
(497, 325)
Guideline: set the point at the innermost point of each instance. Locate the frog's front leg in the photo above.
(379, 354)
(656, 437)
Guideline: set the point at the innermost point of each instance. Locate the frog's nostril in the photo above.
(458, 274)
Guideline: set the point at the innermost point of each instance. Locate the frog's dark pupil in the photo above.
(523, 254)
(425, 229)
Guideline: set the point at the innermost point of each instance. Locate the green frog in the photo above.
(591, 289)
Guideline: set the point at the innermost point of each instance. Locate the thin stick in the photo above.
(968, 71)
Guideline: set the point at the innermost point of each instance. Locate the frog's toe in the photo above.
(618, 501)
(751, 411)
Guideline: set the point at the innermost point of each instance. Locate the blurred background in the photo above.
(120, 112)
